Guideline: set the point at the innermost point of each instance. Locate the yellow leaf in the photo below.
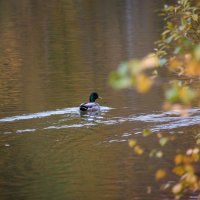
(195, 157)
(198, 141)
(197, 53)
(132, 142)
(196, 150)
(150, 61)
(177, 188)
(161, 173)
(138, 150)
(191, 178)
(174, 63)
(195, 17)
(179, 171)
(143, 83)
(159, 135)
(187, 159)
(192, 68)
(178, 159)
(189, 169)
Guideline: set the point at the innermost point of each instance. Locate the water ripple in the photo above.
(154, 121)
(73, 110)
(25, 130)
(69, 126)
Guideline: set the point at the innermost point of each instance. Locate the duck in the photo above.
(91, 105)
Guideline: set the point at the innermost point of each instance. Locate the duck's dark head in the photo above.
(93, 97)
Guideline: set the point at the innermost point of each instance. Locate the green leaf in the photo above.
(195, 17)
(118, 81)
(184, 22)
(146, 132)
(163, 141)
(163, 61)
(169, 39)
(170, 25)
(172, 94)
(197, 52)
(123, 69)
(177, 50)
(165, 32)
(189, 95)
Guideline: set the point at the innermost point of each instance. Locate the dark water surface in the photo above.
(52, 55)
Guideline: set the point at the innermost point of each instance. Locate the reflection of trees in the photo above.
(45, 44)
(53, 50)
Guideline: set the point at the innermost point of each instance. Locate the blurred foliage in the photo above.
(184, 165)
(181, 30)
(135, 73)
(178, 51)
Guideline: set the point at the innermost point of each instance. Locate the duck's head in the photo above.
(93, 97)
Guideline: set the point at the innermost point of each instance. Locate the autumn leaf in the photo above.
(146, 132)
(178, 159)
(197, 52)
(138, 150)
(180, 94)
(189, 168)
(195, 157)
(161, 173)
(198, 141)
(163, 141)
(159, 135)
(132, 142)
(177, 188)
(174, 63)
(191, 178)
(143, 83)
(179, 171)
(150, 61)
(193, 68)
(195, 17)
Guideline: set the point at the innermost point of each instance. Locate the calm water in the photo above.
(52, 55)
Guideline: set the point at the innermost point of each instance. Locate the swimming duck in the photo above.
(91, 105)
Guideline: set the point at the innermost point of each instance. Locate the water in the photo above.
(52, 55)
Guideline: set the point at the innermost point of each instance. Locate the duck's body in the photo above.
(92, 105)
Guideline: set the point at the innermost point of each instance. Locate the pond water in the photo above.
(52, 55)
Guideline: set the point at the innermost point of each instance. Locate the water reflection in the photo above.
(52, 54)
(51, 49)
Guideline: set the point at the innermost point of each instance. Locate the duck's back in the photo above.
(91, 106)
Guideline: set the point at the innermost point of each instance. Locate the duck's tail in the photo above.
(83, 107)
